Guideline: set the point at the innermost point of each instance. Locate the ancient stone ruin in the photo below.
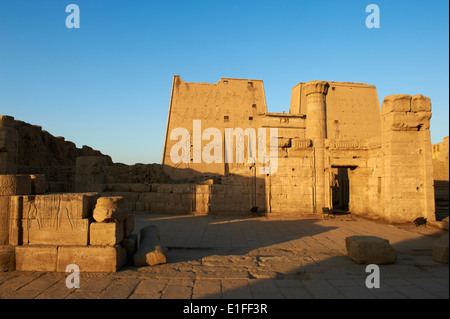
(335, 151)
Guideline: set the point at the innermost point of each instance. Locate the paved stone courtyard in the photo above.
(255, 258)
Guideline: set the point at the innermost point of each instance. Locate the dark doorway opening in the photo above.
(340, 190)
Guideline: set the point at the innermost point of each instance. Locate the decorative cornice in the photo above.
(347, 144)
(301, 143)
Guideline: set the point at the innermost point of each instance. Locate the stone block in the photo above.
(36, 258)
(4, 219)
(440, 249)
(10, 219)
(15, 185)
(202, 189)
(129, 196)
(147, 197)
(38, 185)
(370, 250)
(55, 206)
(84, 181)
(140, 188)
(53, 232)
(57, 219)
(150, 251)
(217, 189)
(201, 203)
(111, 208)
(406, 121)
(106, 234)
(154, 187)
(163, 188)
(121, 187)
(63, 187)
(420, 103)
(91, 258)
(396, 103)
(183, 188)
(7, 258)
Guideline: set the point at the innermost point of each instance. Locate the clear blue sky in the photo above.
(107, 84)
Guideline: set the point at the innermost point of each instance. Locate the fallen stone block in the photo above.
(370, 250)
(7, 258)
(150, 251)
(110, 208)
(108, 234)
(36, 258)
(91, 258)
(15, 185)
(440, 249)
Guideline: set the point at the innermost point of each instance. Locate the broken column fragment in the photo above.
(150, 251)
(110, 208)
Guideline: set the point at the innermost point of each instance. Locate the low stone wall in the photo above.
(49, 232)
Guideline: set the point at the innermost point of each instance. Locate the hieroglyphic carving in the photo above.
(347, 144)
(57, 218)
